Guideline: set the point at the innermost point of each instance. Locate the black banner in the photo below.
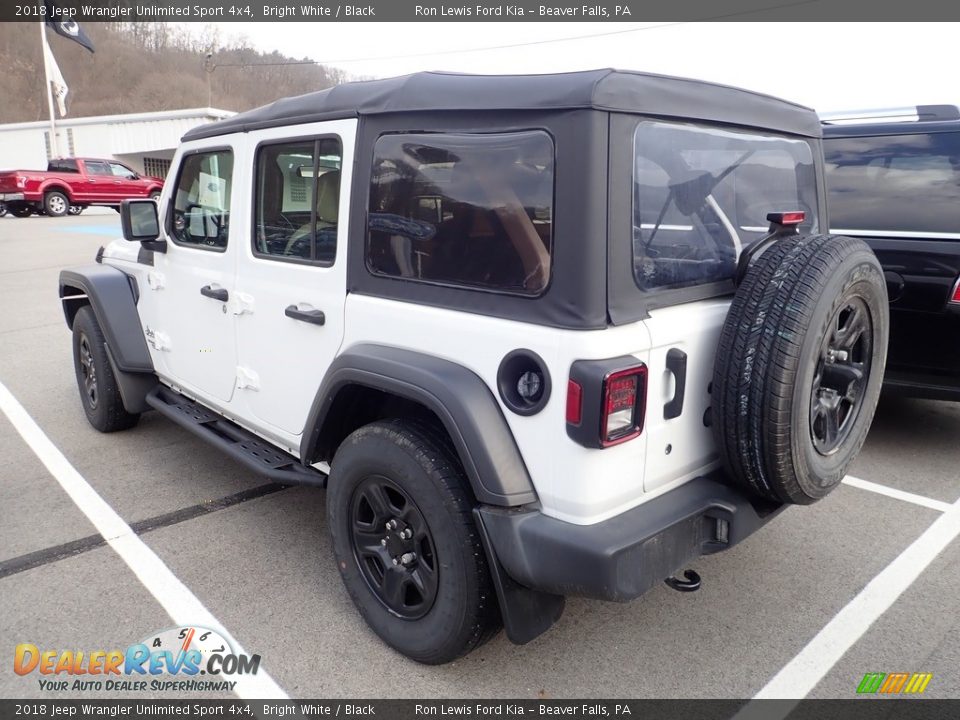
(469, 10)
(859, 709)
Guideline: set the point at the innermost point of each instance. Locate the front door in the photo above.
(193, 332)
(292, 272)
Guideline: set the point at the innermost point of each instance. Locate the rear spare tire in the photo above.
(800, 365)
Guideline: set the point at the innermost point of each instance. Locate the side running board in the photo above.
(242, 445)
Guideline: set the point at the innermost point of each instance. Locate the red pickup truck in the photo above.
(73, 182)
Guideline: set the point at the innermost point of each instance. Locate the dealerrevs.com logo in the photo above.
(171, 660)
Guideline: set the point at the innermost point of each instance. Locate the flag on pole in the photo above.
(60, 88)
(67, 28)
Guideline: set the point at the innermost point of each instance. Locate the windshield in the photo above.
(701, 195)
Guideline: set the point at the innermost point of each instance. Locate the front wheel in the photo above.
(99, 392)
(406, 543)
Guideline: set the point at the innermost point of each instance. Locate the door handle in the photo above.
(216, 293)
(314, 317)
(676, 364)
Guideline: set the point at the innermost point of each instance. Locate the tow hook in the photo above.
(690, 584)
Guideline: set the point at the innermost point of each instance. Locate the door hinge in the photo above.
(241, 303)
(155, 280)
(247, 379)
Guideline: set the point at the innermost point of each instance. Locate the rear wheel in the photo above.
(406, 542)
(99, 392)
(56, 204)
(155, 196)
(800, 366)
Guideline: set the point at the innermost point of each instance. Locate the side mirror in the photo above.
(141, 223)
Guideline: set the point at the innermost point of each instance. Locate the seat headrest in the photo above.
(328, 197)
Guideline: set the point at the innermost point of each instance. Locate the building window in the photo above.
(155, 167)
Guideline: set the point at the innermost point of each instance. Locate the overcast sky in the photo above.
(828, 66)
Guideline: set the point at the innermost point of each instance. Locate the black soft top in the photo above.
(608, 90)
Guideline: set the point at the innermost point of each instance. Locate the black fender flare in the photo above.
(113, 298)
(456, 395)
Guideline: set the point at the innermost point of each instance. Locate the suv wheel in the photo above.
(406, 542)
(800, 366)
(56, 204)
(98, 386)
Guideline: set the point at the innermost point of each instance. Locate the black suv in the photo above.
(893, 179)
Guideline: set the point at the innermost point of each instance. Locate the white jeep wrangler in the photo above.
(538, 336)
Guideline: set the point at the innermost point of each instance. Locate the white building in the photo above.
(143, 141)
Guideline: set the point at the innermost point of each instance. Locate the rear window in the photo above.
(458, 209)
(66, 166)
(905, 183)
(702, 194)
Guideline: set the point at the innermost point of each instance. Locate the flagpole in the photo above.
(54, 150)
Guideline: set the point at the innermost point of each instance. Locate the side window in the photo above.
(907, 183)
(473, 210)
(97, 168)
(200, 215)
(297, 200)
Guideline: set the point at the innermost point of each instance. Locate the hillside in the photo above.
(141, 67)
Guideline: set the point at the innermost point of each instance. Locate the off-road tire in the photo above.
(56, 204)
(464, 613)
(782, 323)
(102, 404)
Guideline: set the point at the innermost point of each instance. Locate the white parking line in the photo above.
(798, 677)
(897, 494)
(175, 597)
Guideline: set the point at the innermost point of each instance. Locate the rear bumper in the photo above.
(11, 196)
(623, 557)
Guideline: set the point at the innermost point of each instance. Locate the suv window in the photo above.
(201, 209)
(702, 194)
(457, 209)
(298, 200)
(894, 183)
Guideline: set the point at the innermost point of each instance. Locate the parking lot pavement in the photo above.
(264, 566)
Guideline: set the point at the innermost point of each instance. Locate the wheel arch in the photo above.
(56, 186)
(458, 399)
(113, 296)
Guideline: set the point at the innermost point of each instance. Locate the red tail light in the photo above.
(955, 298)
(624, 401)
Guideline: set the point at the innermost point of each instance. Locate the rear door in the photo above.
(98, 185)
(292, 272)
(701, 194)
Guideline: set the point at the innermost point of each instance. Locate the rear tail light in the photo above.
(955, 296)
(606, 401)
(624, 396)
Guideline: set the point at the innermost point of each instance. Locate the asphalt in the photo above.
(264, 566)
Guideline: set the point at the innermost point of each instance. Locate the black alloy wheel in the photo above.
(88, 371)
(394, 548)
(843, 371)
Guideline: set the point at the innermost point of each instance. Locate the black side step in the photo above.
(242, 445)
